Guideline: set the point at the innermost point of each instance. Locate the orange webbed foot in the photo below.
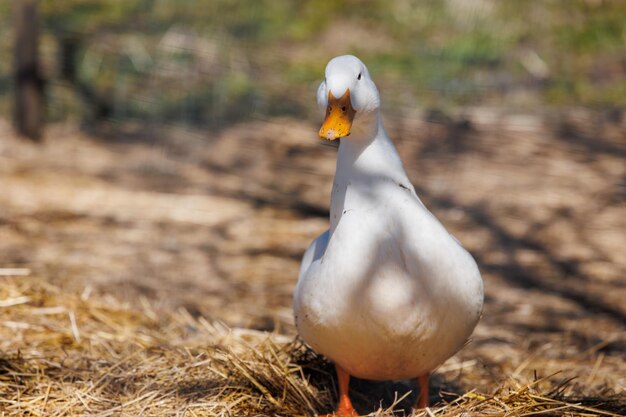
(344, 408)
(343, 412)
(422, 400)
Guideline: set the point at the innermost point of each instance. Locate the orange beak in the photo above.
(339, 117)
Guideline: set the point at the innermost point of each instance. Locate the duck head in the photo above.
(347, 94)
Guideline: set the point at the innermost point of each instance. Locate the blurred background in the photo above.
(165, 153)
(210, 64)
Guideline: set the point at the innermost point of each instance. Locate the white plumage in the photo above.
(386, 292)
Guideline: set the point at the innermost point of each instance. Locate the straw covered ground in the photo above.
(150, 272)
(99, 357)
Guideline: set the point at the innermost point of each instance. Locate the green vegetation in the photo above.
(219, 61)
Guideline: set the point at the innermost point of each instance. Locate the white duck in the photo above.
(386, 293)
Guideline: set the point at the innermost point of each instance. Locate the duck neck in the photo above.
(366, 160)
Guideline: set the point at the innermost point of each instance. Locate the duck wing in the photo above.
(315, 251)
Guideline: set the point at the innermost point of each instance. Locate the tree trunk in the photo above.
(29, 101)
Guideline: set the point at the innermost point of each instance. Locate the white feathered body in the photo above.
(386, 292)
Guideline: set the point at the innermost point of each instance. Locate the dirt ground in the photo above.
(216, 222)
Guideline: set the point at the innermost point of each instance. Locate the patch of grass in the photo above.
(441, 53)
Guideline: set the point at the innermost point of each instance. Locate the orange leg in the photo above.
(422, 400)
(344, 408)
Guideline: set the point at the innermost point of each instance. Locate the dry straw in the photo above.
(63, 354)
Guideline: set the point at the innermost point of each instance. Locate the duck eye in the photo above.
(359, 76)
